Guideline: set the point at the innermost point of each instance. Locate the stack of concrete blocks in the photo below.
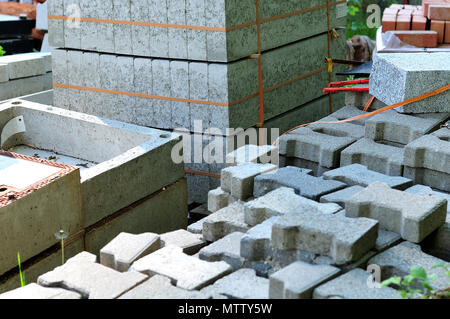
(276, 245)
(176, 63)
(128, 180)
(24, 74)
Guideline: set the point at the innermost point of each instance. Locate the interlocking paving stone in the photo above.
(34, 291)
(190, 243)
(341, 196)
(226, 249)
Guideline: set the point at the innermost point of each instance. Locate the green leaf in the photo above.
(427, 286)
(408, 280)
(432, 277)
(394, 280)
(418, 272)
(403, 294)
(2, 52)
(438, 265)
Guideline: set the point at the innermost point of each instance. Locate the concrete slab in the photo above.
(242, 284)
(190, 243)
(126, 248)
(280, 202)
(398, 261)
(292, 177)
(414, 74)
(24, 65)
(226, 249)
(378, 157)
(414, 217)
(342, 239)
(91, 280)
(298, 280)
(357, 174)
(34, 291)
(353, 285)
(160, 287)
(186, 272)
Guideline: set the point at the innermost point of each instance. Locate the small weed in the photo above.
(22, 275)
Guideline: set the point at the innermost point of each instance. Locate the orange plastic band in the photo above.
(193, 172)
(369, 103)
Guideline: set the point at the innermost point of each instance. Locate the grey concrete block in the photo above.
(253, 154)
(429, 177)
(123, 43)
(315, 168)
(105, 32)
(340, 197)
(256, 244)
(353, 285)
(25, 86)
(160, 287)
(400, 128)
(199, 91)
(4, 73)
(216, 42)
(218, 199)
(186, 271)
(140, 39)
(91, 280)
(161, 87)
(340, 130)
(398, 77)
(34, 291)
(280, 202)
(357, 174)
(226, 249)
(414, 217)
(378, 157)
(316, 147)
(242, 284)
(225, 221)
(190, 243)
(398, 261)
(126, 248)
(88, 30)
(24, 65)
(349, 112)
(196, 39)
(386, 239)
(159, 37)
(197, 227)
(430, 152)
(239, 180)
(176, 14)
(56, 27)
(298, 280)
(143, 113)
(342, 239)
(423, 190)
(292, 177)
(72, 29)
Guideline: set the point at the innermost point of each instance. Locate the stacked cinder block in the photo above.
(126, 182)
(24, 74)
(423, 26)
(167, 64)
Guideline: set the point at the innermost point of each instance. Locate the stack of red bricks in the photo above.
(425, 26)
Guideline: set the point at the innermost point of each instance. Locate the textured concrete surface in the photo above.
(218, 199)
(185, 271)
(160, 287)
(357, 174)
(378, 157)
(226, 249)
(400, 128)
(398, 77)
(353, 285)
(34, 291)
(91, 280)
(316, 147)
(255, 245)
(398, 260)
(126, 248)
(340, 197)
(298, 280)
(242, 284)
(190, 243)
(412, 216)
(280, 202)
(342, 239)
(292, 177)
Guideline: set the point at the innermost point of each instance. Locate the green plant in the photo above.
(418, 276)
(22, 275)
(61, 235)
(2, 52)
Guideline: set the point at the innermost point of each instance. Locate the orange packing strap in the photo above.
(369, 103)
(193, 172)
(384, 109)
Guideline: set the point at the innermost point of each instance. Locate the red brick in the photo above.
(388, 23)
(404, 12)
(403, 22)
(420, 39)
(426, 4)
(447, 32)
(439, 12)
(419, 13)
(419, 23)
(390, 11)
(439, 27)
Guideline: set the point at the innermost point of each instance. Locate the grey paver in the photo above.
(226, 249)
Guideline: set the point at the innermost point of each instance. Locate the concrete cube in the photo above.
(398, 77)
(218, 199)
(414, 217)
